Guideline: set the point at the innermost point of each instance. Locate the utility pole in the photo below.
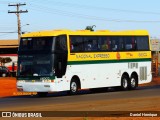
(17, 12)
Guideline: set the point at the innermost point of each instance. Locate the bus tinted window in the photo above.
(84, 43)
(26, 43)
(108, 43)
(114, 43)
(91, 44)
(130, 43)
(36, 43)
(76, 44)
(61, 43)
(104, 43)
(121, 44)
(142, 43)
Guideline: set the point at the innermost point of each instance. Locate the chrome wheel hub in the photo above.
(125, 83)
(73, 87)
(133, 82)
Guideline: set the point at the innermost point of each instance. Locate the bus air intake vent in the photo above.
(143, 73)
(132, 65)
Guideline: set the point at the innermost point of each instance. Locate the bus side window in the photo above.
(72, 44)
(104, 43)
(87, 44)
(76, 44)
(91, 43)
(142, 43)
(128, 43)
(109, 43)
(114, 41)
(61, 42)
(121, 44)
(133, 43)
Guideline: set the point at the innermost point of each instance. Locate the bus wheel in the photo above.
(124, 82)
(133, 82)
(42, 94)
(73, 87)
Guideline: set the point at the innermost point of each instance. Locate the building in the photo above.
(8, 46)
(155, 44)
(155, 48)
(8, 49)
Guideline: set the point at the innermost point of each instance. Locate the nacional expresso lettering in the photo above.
(88, 56)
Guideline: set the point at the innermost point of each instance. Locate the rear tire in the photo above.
(124, 82)
(42, 94)
(133, 82)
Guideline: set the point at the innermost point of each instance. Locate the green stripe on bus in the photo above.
(108, 61)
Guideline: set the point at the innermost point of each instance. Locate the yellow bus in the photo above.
(65, 60)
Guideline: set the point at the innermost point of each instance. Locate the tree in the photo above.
(0, 61)
(90, 28)
(5, 60)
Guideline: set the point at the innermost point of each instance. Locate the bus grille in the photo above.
(132, 65)
(143, 73)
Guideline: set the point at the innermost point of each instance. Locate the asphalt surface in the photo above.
(62, 99)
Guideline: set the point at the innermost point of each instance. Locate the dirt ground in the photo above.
(8, 87)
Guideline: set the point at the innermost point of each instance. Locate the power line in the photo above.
(73, 14)
(17, 12)
(71, 5)
(8, 32)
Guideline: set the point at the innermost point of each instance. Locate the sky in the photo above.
(111, 15)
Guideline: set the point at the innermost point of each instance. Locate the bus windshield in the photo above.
(36, 43)
(42, 56)
(37, 65)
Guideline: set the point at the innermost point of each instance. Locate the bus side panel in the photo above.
(107, 74)
(96, 75)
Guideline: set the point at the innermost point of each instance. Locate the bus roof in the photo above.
(85, 32)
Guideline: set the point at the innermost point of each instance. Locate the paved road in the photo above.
(143, 98)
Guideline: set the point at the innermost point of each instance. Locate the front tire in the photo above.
(73, 87)
(124, 82)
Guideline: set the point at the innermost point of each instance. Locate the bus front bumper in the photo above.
(36, 87)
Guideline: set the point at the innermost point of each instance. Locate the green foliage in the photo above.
(5, 60)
